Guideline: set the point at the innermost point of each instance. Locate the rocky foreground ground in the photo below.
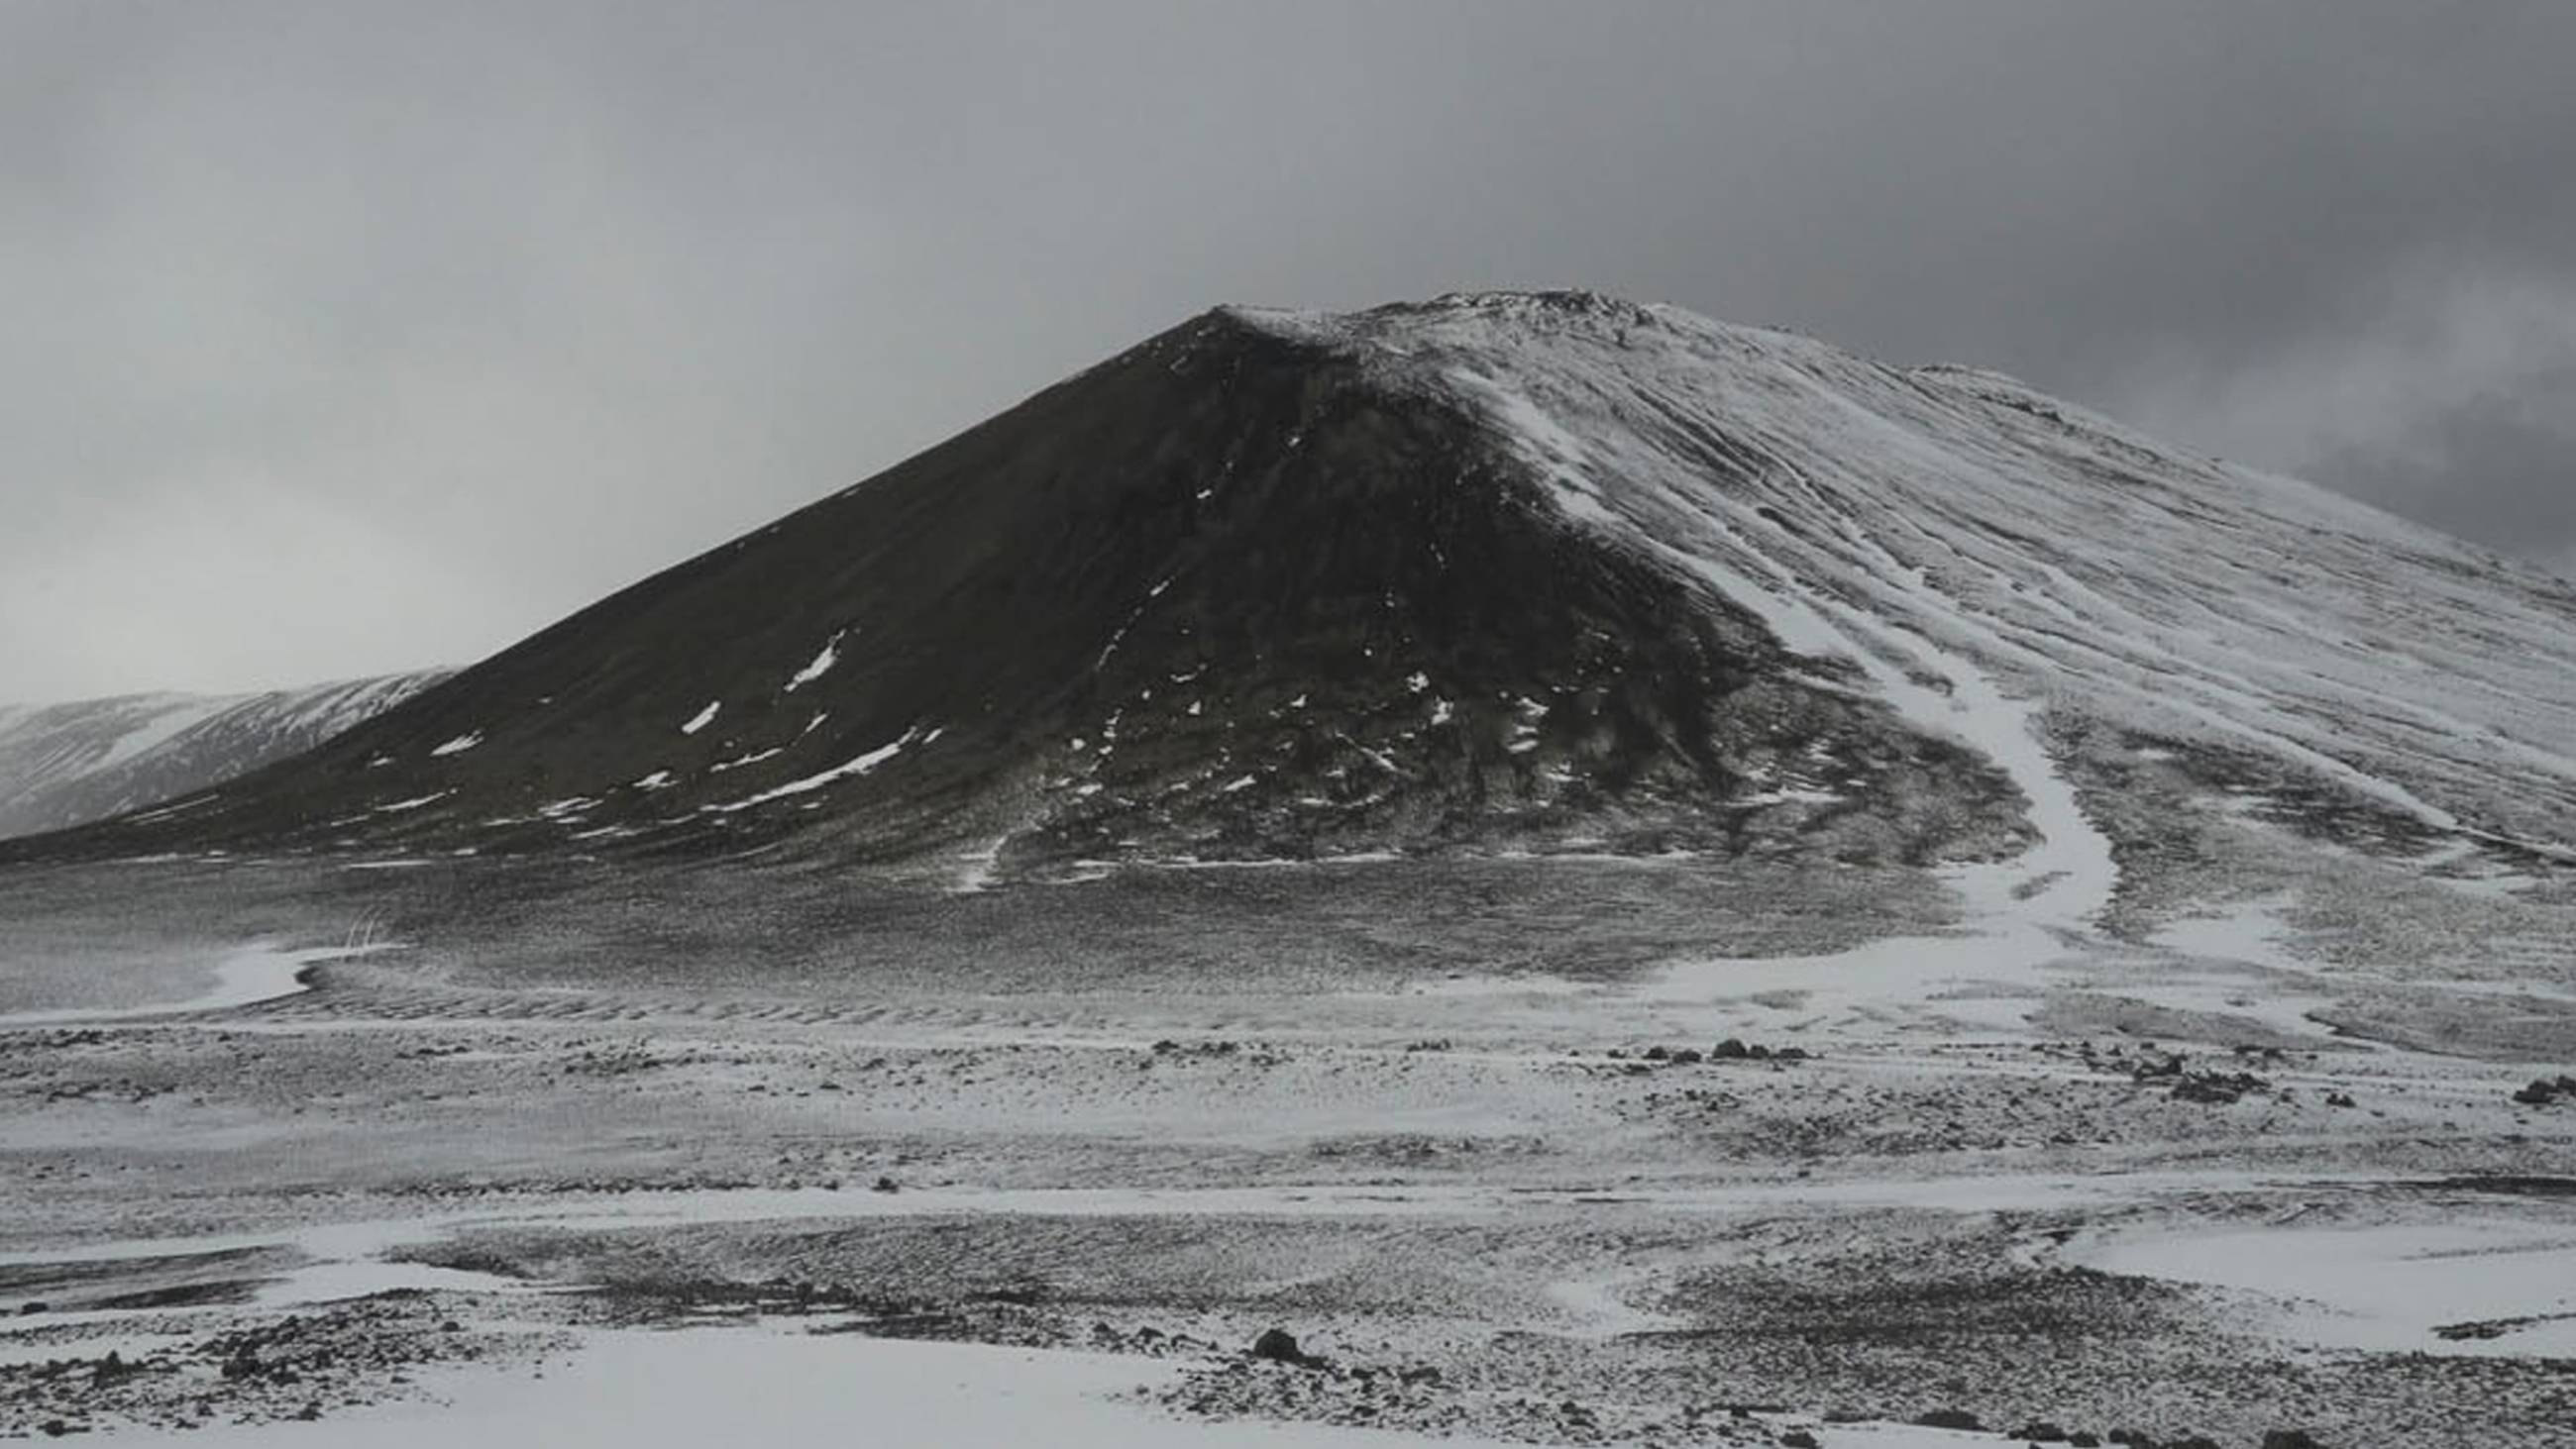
(2143, 1193)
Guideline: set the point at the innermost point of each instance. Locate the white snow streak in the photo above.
(820, 665)
(843, 771)
(415, 803)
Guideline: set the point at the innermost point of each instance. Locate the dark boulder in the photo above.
(1278, 1345)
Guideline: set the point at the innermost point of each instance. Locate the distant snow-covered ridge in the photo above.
(66, 764)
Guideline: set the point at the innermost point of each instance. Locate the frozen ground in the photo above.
(757, 1157)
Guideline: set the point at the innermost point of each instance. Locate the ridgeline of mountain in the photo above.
(1527, 572)
(63, 765)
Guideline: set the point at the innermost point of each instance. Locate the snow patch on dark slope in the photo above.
(1517, 572)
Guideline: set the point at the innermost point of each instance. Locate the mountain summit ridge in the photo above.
(1497, 571)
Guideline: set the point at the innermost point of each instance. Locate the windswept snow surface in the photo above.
(1985, 554)
(1919, 647)
(2382, 1287)
(1414, 1169)
(641, 1389)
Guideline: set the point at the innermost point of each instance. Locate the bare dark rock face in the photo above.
(2543, 1091)
(1278, 1345)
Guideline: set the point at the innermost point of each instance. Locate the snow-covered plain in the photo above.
(1488, 1174)
(647, 1390)
(2388, 1287)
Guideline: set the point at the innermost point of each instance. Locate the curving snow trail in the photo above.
(2062, 881)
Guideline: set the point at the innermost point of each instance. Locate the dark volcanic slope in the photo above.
(1490, 572)
(1222, 596)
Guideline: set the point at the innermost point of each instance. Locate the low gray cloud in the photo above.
(2499, 465)
(2454, 404)
(346, 337)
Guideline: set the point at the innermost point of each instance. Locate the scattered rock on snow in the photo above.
(1736, 1049)
(2545, 1090)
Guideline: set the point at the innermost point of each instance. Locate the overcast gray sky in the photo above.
(342, 337)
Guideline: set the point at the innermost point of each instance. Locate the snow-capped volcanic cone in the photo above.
(1529, 572)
